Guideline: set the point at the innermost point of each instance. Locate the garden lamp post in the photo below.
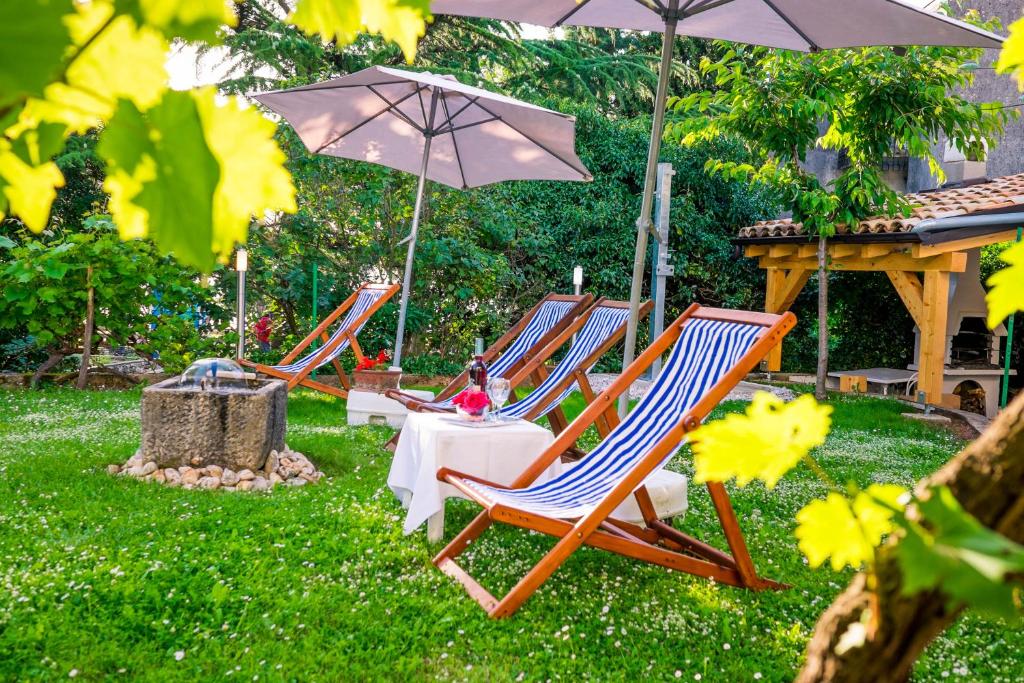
(577, 285)
(241, 265)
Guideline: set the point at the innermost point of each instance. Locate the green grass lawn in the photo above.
(107, 578)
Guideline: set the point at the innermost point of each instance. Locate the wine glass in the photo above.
(498, 389)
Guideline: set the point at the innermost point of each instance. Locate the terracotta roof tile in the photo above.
(998, 193)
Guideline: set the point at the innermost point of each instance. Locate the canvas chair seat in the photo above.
(528, 342)
(550, 314)
(603, 324)
(353, 323)
(357, 309)
(705, 351)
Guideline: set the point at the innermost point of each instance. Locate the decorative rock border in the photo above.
(284, 468)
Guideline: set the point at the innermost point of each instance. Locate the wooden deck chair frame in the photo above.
(537, 370)
(302, 378)
(534, 352)
(656, 542)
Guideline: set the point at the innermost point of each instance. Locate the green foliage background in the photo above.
(485, 255)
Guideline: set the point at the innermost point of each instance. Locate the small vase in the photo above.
(471, 417)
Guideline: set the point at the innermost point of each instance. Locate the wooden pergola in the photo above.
(918, 264)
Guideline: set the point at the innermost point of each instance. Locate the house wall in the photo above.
(1008, 157)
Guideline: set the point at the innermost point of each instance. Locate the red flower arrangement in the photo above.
(379, 363)
(472, 401)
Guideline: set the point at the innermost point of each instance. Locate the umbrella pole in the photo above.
(643, 223)
(407, 280)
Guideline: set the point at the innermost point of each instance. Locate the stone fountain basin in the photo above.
(233, 427)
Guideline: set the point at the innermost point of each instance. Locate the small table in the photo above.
(430, 441)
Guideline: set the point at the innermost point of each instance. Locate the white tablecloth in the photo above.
(430, 441)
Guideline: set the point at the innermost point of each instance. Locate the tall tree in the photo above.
(871, 103)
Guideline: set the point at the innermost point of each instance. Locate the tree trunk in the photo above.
(83, 370)
(821, 376)
(51, 361)
(289, 315)
(987, 477)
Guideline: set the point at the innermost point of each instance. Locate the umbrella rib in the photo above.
(810, 43)
(544, 147)
(344, 85)
(366, 121)
(574, 10)
(454, 116)
(396, 112)
(653, 5)
(455, 143)
(423, 108)
(452, 129)
(709, 5)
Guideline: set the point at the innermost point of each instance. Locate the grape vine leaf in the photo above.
(253, 177)
(29, 189)
(192, 20)
(161, 177)
(1004, 296)
(118, 59)
(764, 443)
(33, 39)
(967, 561)
(190, 174)
(1011, 59)
(844, 531)
(403, 21)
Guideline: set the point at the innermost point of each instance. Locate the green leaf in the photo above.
(7, 242)
(192, 20)
(119, 59)
(403, 21)
(1006, 295)
(845, 531)
(55, 269)
(161, 177)
(952, 551)
(764, 443)
(33, 38)
(190, 174)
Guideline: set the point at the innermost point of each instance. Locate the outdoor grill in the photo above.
(972, 371)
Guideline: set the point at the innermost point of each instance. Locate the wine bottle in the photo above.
(477, 369)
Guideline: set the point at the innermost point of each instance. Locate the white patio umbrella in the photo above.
(432, 125)
(805, 25)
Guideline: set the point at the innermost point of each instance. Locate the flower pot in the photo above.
(377, 381)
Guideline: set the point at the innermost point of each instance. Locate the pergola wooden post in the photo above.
(789, 266)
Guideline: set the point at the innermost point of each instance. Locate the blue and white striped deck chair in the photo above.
(358, 308)
(596, 331)
(714, 349)
(522, 343)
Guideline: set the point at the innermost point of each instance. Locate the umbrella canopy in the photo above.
(806, 25)
(432, 125)
(385, 116)
(803, 25)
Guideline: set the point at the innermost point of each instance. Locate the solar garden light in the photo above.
(577, 283)
(241, 265)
